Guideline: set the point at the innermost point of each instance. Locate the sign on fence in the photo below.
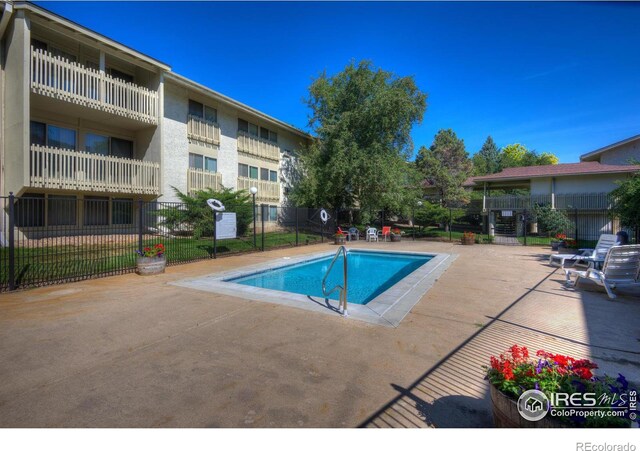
(226, 226)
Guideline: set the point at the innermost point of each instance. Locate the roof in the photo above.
(77, 28)
(554, 170)
(184, 81)
(594, 153)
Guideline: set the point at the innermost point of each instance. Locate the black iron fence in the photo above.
(56, 239)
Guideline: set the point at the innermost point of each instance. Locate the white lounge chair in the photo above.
(586, 256)
(372, 234)
(621, 267)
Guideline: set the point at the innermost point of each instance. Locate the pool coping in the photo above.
(387, 309)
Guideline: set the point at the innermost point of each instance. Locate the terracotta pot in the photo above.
(506, 415)
(396, 237)
(149, 266)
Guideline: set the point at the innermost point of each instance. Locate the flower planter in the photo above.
(148, 266)
(395, 238)
(557, 245)
(339, 239)
(468, 241)
(506, 415)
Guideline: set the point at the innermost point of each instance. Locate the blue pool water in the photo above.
(370, 273)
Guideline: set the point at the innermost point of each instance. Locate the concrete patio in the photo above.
(137, 352)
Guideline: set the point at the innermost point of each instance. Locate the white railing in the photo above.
(203, 130)
(67, 169)
(58, 77)
(199, 179)
(257, 146)
(267, 191)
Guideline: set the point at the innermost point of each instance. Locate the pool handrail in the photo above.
(342, 306)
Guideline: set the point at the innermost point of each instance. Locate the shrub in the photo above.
(550, 220)
(198, 217)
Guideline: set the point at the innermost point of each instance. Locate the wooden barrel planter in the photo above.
(149, 266)
(468, 240)
(506, 415)
(396, 237)
(339, 239)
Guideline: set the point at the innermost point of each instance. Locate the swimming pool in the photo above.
(369, 274)
(383, 285)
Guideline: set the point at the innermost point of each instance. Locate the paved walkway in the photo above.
(134, 351)
(506, 240)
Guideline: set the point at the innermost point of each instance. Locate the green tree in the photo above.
(551, 221)
(362, 118)
(430, 214)
(627, 202)
(445, 166)
(197, 216)
(517, 155)
(487, 159)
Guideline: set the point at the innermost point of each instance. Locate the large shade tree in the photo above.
(362, 118)
(445, 166)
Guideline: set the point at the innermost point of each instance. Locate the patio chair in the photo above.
(386, 231)
(621, 267)
(354, 233)
(586, 257)
(372, 234)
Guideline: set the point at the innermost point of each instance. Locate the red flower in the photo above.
(583, 373)
(507, 371)
(147, 249)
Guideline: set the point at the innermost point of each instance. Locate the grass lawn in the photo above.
(42, 265)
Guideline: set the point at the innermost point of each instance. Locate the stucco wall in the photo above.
(622, 154)
(587, 184)
(175, 152)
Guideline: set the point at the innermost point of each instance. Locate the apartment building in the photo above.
(85, 117)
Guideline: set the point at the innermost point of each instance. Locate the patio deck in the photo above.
(137, 352)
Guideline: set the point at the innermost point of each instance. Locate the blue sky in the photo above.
(557, 77)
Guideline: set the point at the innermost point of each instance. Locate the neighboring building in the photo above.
(622, 152)
(85, 117)
(580, 187)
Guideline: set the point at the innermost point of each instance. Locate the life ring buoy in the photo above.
(215, 205)
(324, 215)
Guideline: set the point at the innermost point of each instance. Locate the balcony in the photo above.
(69, 81)
(80, 171)
(580, 201)
(202, 130)
(199, 179)
(258, 147)
(267, 191)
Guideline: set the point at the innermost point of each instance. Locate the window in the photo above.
(243, 126)
(264, 174)
(61, 210)
(243, 170)
(195, 108)
(96, 144)
(273, 136)
(203, 111)
(38, 133)
(115, 73)
(253, 172)
(29, 210)
(39, 45)
(273, 176)
(196, 161)
(264, 133)
(63, 138)
(121, 148)
(122, 211)
(96, 210)
(253, 129)
(273, 213)
(201, 162)
(53, 136)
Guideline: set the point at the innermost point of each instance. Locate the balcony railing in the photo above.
(66, 80)
(267, 191)
(258, 147)
(67, 169)
(199, 179)
(595, 201)
(203, 130)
